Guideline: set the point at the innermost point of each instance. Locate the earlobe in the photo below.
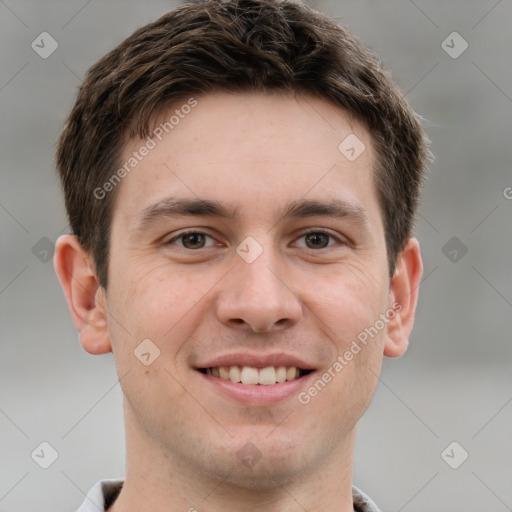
(403, 299)
(86, 299)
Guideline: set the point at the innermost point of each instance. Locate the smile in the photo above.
(253, 376)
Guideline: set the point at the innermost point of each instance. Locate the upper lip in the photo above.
(256, 360)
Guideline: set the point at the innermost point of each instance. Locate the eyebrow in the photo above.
(338, 208)
(174, 207)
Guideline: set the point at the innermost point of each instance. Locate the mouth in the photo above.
(256, 376)
(255, 379)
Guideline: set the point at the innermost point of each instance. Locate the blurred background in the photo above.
(438, 434)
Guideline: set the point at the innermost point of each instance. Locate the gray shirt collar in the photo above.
(105, 492)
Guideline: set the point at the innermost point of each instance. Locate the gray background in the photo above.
(455, 381)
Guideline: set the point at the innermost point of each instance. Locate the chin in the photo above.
(264, 463)
(266, 474)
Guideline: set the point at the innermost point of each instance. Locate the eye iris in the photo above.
(193, 240)
(318, 240)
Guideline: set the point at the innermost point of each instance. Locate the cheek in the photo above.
(162, 303)
(348, 302)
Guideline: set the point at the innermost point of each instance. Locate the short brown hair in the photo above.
(234, 46)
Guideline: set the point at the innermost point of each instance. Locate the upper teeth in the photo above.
(250, 375)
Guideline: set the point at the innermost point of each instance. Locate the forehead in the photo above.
(249, 120)
(249, 149)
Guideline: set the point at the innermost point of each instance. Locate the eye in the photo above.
(194, 240)
(318, 239)
(191, 240)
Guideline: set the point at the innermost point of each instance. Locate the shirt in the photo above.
(105, 492)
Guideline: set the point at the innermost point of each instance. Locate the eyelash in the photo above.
(309, 232)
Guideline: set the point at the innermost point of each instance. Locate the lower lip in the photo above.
(258, 394)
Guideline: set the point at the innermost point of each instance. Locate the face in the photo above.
(247, 245)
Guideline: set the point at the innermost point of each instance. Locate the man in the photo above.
(241, 180)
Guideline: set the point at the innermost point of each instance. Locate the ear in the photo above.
(86, 299)
(403, 297)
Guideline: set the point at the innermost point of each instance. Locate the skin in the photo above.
(311, 298)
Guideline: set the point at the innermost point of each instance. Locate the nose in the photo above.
(258, 296)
